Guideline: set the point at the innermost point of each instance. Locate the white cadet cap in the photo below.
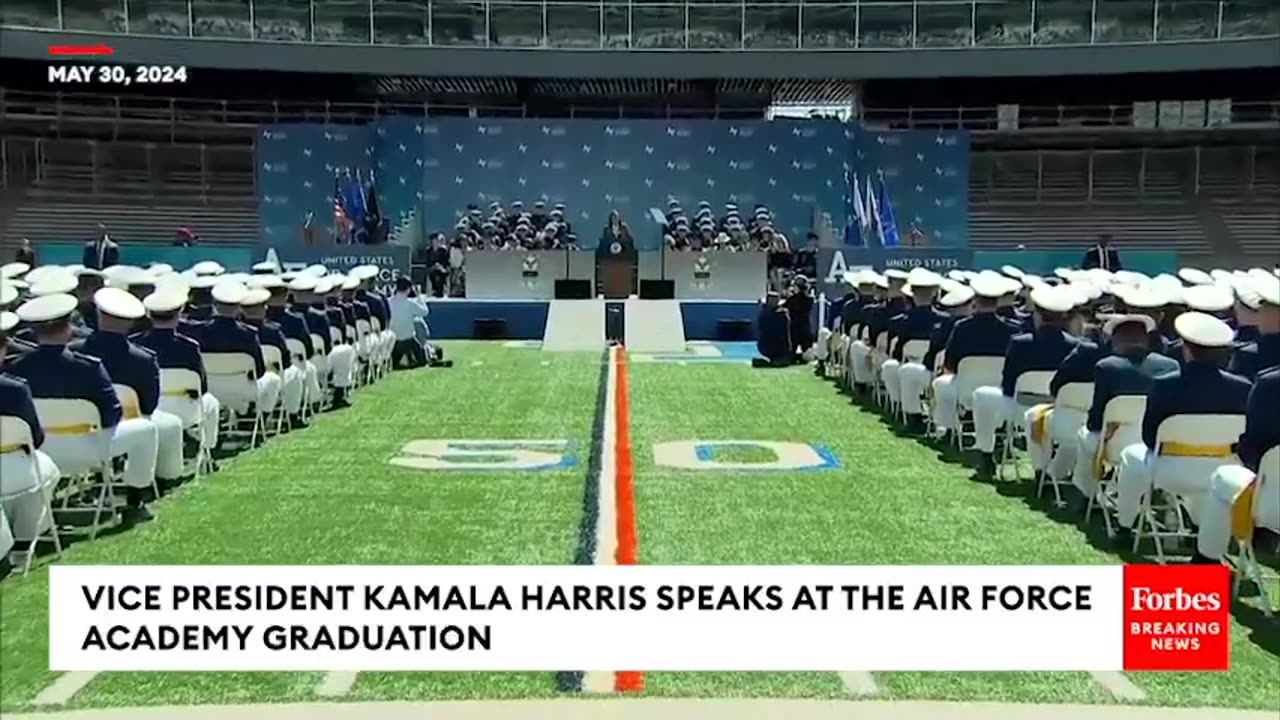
(880, 281)
(1208, 298)
(303, 283)
(896, 274)
(1268, 288)
(317, 270)
(1219, 274)
(1115, 321)
(173, 280)
(1195, 276)
(208, 267)
(1147, 296)
(54, 283)
(922, 278)
(1065, 273)
(202, 282)
(948, 285)
(8, 293)
(957, 297)
(13, 269)
(8, 320)
(1246, 292)
(265, 281)
(35, 275)
(128, 276)
(47, 308)
(119, 304)
(322, 286)
(159, 268)
(988, 286)
(255, 296)
(239, 277)
(350, 283)
(266, 266)
(1204, 330)
(165, 301)
(958, 276)
(229, 292)
(364, 272)
(1013, 271)
(1053, 299)
(82, 271)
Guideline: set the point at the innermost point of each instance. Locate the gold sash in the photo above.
(1242, 512)
(1040, 415)
(1188, 450)
(1100, 456)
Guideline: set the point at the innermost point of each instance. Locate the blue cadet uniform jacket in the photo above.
(1246, 334)
(1044, 349)
(18, 346)
(938, 339)
(126, 364)
(977, 335)
(337, 318)
(174, 350)
(1262, 420)
(317, 323)
(877, 317)
(16, 401)
(379, 306)
(854, 311)
(1258, 355)
(361, 309)
(1130, 374)
(53, 371)
(1198, 388)
(835, 320)
(915, 324)
(293, 325)
(228, 335)
(1078, 365)
(269, 334)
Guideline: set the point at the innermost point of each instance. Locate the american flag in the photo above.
(341, 223)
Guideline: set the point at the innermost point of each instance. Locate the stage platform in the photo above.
(463, 318)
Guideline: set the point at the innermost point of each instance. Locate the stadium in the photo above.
(294, 290)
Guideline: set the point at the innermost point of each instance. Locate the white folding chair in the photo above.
(321, 360)
(1031, 388)
(1121, 419)
(1185, 436)
(233, 379)
(1245, 562)
(973, 372)
(297, 357)
(19, 446)
(274, 361)
(365, 340)
(878, 355)
(1074, 397)
(79, 418)
(184, 384)
(132, 408)
(913, 351)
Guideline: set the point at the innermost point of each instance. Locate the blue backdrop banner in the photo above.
(235, 258)
(834, 263)
(926, 176)
(296, 169)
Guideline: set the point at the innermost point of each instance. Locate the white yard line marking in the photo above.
(858, 683)
(336, 684)
(476, 363)
(597, 681)
(63, 688)
(1119, 685)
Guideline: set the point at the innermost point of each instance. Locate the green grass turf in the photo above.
(326, 495)
(298, 500)
(893, 501)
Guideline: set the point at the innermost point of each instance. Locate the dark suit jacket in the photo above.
(1093, 259)
(25, 255)
(110, 255)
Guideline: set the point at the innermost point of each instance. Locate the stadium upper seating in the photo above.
(673, 25)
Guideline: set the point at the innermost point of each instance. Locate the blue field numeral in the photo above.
(785, 456)
(487, 455)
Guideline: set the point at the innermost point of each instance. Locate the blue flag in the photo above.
(884, 209)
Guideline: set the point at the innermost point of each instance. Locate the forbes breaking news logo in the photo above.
(1177, 617)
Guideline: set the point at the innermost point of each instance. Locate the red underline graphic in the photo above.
(72, 50)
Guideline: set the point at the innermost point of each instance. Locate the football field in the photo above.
(332, 495)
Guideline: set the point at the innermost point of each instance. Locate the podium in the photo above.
(616, 271)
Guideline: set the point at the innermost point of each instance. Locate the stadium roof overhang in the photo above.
(664, 64)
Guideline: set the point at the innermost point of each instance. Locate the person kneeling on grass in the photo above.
(409, 324)
(773, 333)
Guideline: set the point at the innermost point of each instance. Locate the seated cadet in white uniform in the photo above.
(916, 377)
(384, 339)
(53, 371)
(917, 323)
(134, 367)
(1130, 368)
(173, 350)
(342, 356)
(254, 307)
(1244, 498)
(22, 467)
(983, 334)
(876, 316)
(316, 324)
(1201, 387)
(1043, 349)
(224, 333)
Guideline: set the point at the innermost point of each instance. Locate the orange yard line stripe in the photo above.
(628, 539)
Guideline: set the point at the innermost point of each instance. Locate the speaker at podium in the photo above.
(616, 268)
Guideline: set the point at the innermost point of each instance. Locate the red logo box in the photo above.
(1177, 617)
